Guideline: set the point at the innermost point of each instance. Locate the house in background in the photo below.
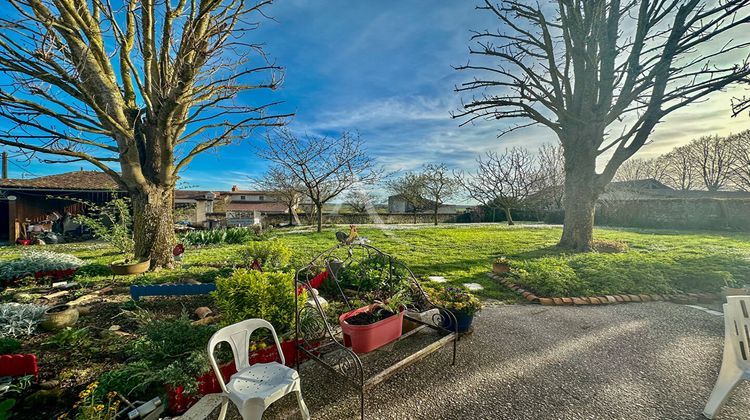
(35, 204)
(247, 207)
(398, 205)
(226, 208)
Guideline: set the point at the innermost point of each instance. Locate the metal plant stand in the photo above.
(322, 341)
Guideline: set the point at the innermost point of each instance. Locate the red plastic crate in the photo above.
(18, 365)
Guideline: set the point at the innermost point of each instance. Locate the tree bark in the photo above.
(435, 214)
(153, 224)
(509, 217)
(291, 216)
(582, 190)
(319, 208)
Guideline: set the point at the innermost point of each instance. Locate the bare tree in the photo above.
(601, 74)
(325, 166)
(506, 181)
(360, 201)
(284, 187)
(714, 160)
(552, 170)
(741, 166)
(409, 187)
(143, 85)
(635, 169)
(680, 171)
(439, 185)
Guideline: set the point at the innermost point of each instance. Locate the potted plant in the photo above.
(461, 303)
(501, 265)
(373, 326)
(112, 224)
(58, 317)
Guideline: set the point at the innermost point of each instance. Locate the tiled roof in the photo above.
(269, 207)
(79, 180)
(194, 194)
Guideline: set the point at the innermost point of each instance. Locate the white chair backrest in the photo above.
(238, 337)
(737, 322)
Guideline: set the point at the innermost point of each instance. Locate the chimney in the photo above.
(5, 165)
(234, 187)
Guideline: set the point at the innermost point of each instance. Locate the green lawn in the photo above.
(657, 261)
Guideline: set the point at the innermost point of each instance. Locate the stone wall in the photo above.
(361, 219)
(682, 213)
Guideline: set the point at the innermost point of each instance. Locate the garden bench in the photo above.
(325, 343)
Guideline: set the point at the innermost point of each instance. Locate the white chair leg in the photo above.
(302, 406)
(224, 406)
(728, 379)
(252, 412)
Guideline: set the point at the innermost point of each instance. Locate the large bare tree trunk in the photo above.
(435, 214)
(319, 207)
(509, 217)
(153, 224)
(582, 189)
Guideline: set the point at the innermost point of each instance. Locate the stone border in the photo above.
(682, 298)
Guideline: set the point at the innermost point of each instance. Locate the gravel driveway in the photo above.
(632, 361)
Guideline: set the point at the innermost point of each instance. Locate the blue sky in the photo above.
(384, 69)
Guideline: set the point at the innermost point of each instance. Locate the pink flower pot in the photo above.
(366, 338)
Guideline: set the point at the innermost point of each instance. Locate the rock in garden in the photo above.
(43, 397)
(25, 297)
(206, 321)
(51, 384)
(203, 312)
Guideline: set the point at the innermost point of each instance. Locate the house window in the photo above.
(242, 197)
(260, 198)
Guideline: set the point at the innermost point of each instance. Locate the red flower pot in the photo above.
(366, 338)
(18, 365)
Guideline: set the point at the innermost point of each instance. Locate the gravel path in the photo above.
(634, 361)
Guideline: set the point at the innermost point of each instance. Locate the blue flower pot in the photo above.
(463, 320)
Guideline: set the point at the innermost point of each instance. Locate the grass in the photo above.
(657, 261)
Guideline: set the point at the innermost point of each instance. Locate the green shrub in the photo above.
(372, 274)
(253, 294)
(272, 255)
(171, 351)
(220, 236)
(112, 223)
(549, 277)
(132, 379)
(70, 338)
(9, 345)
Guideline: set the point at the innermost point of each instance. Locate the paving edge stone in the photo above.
(607, 299)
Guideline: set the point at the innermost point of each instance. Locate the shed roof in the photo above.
(74, 181)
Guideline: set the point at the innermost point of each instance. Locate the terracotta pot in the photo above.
(122, 268)
(366, 338)
(58, 317)
(500, 267)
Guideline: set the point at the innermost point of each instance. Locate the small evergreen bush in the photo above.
(253, 294)
(272, 255)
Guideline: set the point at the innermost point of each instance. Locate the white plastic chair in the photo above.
(735, 366)
(253, 388)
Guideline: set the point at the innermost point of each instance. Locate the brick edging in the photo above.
(684, 298)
